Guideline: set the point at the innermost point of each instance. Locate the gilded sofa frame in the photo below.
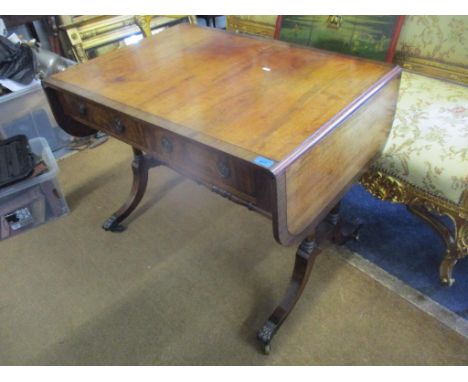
(425, 206)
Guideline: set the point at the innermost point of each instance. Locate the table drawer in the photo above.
(100, 117)
(228, 175)
(206, 164)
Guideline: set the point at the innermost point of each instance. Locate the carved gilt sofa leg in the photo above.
(450, 258)
(388, 188)
(460, 251)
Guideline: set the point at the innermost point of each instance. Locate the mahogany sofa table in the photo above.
(281, 129)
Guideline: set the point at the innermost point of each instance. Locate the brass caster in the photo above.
(348, 231)
(118, 228)
(356, 230)
(447, 281)
(265, 335)
(109, 225)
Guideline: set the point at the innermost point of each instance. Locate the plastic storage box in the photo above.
(33, 201)
(27, 112)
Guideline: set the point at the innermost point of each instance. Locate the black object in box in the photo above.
(16, 160)
(32, 201)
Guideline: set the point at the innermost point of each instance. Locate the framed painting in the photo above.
(372, 37)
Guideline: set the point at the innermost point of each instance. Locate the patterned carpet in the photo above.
(404, 246)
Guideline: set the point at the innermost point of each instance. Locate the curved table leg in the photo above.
(305, 257)
(343, 231)
(140, 167)
(331, 229)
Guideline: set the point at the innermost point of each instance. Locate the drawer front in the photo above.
(100, 117)
(208, 165)
(229, 175)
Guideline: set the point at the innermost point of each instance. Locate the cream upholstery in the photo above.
(428, 143)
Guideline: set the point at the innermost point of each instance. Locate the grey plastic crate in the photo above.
(32, 201)
(27, 112)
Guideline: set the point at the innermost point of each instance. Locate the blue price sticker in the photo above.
(264, 162)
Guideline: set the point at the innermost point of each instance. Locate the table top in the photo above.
(254, 96)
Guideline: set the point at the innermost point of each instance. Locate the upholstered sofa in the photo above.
(425, 161)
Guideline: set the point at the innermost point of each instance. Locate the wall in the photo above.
(435, 45)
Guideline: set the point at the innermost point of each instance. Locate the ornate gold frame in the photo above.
(261, 25)
(424, 205)
(432, 68)
(82, 33)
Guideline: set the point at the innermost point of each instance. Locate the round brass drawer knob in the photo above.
(223, 168)
(119, 127)
(167, 145)
(82, 109)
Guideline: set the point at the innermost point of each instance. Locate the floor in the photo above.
(188, 283)
(406, 247)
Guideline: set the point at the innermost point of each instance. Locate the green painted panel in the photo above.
(363, 36)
